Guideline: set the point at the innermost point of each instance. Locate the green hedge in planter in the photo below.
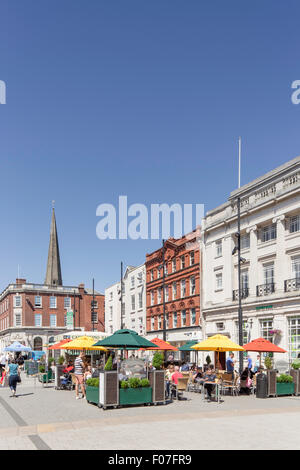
(135, 396)
(92, 394)
(46, 377)
(285, 385)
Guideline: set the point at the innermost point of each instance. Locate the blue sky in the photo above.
(139, 98)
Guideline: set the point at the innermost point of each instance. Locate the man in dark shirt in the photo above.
(209, 376)
(230, 365)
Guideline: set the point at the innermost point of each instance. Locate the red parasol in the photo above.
(59, 344)
(263, 345)
(162, 345)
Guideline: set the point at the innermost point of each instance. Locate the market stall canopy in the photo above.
(219, 343)
(59, 344)
(188, 346)
(83, 343)
(126, 339)
(17, 347)
(263, 345)
(161, 345)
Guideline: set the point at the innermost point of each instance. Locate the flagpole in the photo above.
(240, 154)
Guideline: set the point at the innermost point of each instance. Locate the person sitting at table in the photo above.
(209, 377)
(198, 375)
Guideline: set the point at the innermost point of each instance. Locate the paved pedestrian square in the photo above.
(44, 418)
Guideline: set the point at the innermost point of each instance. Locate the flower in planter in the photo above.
(275, 332)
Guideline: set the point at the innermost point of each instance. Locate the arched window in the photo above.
(38, 344)
(51, 339)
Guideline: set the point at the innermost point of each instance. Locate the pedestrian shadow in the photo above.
(24, 394)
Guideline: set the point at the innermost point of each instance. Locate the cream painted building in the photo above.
(270, 240)
(134, 302)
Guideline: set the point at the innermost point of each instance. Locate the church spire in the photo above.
(53, 274)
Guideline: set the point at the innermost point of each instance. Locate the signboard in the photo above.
(263, 307)
(33, 368)
(70, 320)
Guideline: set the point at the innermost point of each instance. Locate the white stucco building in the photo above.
(134, 302)
(270, 240)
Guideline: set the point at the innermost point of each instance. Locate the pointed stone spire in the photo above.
(53, 274)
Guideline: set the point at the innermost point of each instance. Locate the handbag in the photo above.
(19, 379)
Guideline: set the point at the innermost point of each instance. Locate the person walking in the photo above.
(14, 376)
(79, 375)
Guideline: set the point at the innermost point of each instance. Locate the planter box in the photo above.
(285, 389)
(92, 394)
(135, 396)
(44, 377)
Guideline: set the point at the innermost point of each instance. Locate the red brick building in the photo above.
(35, 313)
(182, 290)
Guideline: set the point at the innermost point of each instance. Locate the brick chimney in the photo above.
(81, 288)
(19, 282)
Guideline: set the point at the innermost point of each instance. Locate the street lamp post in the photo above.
(240, 311)
(164, 299)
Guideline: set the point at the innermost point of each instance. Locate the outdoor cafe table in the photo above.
(217, 385)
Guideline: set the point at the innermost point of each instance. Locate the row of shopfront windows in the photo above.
(267, 331)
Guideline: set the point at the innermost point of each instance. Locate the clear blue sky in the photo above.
(139, 98)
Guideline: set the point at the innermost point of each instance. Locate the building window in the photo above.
(192, 286)
(65, 319)
(52, 320)
(159, 295)
(219, 281)
(182, 260)
(295, 224)
(52, 302)
(38, 301)
(174, 288)
(151, 275)
(67, 303)
(183, 317)
(152, 297)
(192, 258)
(268, 274)
(37, 319)
(152, 323)
(265, 327)
(111, 329)
(94, 317)
(245, 333)
(245, 279)
(296, 267)
(174, 265)
(18, 319)
(94, 304)
(17, 301)
(245, 241)
(269, 233)
(175, 320)
(182, 288)
(110, 296)
(219, 248)
(159, 322)
(294, 337)
(166, 269)
(158, 273)
(193, 316)
(140, 300)
(110, 313)
(133, 302)
(140, 278)
(167, 293)
(132, 281)
(167, 321)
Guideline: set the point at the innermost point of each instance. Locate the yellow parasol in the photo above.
(219, 343)
(83, 342)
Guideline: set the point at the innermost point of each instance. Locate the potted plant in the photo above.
(158, 360)
(135, 391)
(92, 390)
(285, 385)
(43, 375)
(61, 360)
(109, 364)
